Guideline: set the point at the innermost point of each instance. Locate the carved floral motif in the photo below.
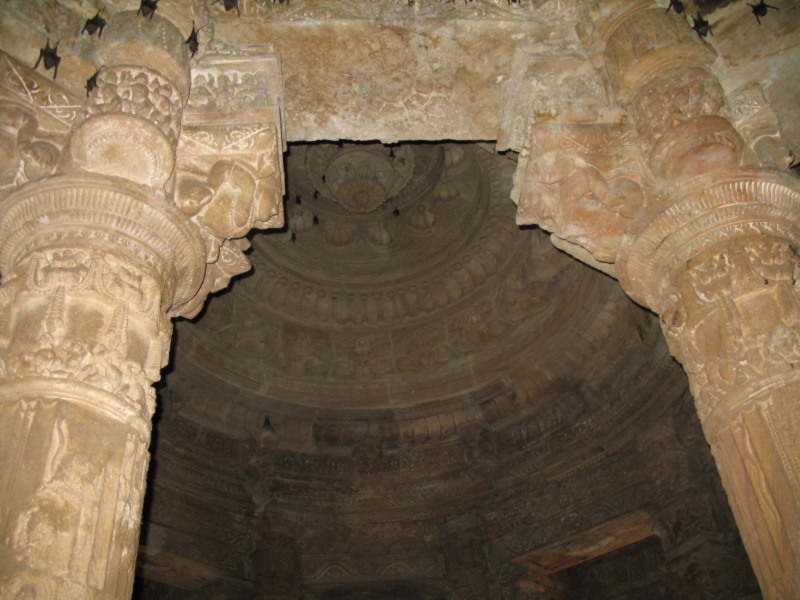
(141, 92)
(360, 178)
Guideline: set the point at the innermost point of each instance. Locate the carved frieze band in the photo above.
(138, 91)
(84, 316)
(734, 323)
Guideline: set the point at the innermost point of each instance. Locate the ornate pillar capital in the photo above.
(698, 215)
(94, 212)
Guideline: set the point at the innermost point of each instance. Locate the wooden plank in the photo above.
(589, 544)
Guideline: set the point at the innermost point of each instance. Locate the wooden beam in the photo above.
(589, 544)
(174, 570)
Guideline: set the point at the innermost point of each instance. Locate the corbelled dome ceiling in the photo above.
(409, 392)
(433, 292)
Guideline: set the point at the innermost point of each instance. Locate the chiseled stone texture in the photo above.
(415, 79)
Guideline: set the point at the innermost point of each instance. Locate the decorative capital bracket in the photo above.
(229, 170)
(585, 183)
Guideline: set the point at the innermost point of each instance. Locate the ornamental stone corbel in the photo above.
(585, 183)
(230, 169)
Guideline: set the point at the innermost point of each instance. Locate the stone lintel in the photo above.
(359, 79)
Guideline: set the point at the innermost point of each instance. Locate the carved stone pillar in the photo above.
(718, 263)
(88, 266)
(714, 257)
(95, 259)
(690, 218)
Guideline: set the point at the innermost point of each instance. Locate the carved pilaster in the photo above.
(278, 566)
(466, 569)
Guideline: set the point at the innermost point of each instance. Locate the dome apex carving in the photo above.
(359, 177)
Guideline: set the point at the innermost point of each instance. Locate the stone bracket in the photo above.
(229, 171)
(584, 183)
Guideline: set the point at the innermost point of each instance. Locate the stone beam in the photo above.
(590, 544)
(581, 547)
(406, 76)
(176, 571)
